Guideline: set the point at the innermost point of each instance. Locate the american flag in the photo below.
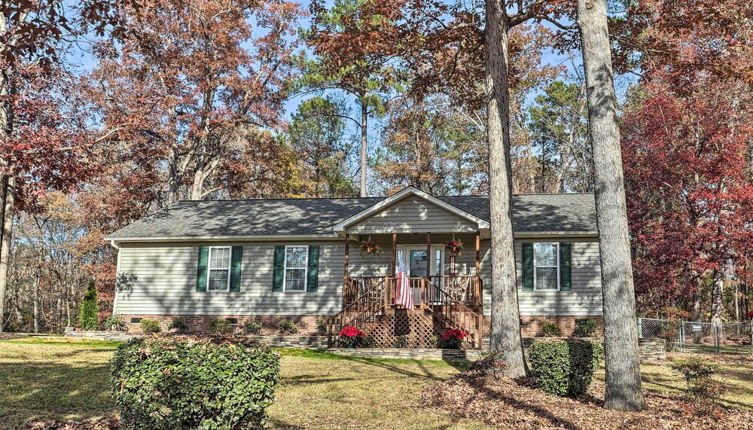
(403, 293)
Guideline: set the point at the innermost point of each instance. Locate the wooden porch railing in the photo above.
(456, 300)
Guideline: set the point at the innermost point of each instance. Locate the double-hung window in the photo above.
(296, 266)
(546, 266)
(218, 270)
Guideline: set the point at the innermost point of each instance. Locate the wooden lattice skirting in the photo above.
(420, 329)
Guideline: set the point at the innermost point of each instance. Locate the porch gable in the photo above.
(411, 211)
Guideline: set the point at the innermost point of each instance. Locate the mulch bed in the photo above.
(105, 423)
(9, 336)
(507, 404)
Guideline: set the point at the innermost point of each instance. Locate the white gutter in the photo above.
(224, 238)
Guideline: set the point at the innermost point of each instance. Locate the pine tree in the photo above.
(87, 319)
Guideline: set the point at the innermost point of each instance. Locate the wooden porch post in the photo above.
(478, 268)
(479, 295)
(346, 269)
(394, 254)
(424, 290)
(428, 255)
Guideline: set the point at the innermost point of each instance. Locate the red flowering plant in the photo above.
(454, 247)
(371, 248)
(453, 339)
(351, 337)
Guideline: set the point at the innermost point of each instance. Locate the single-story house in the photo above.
(334, 261)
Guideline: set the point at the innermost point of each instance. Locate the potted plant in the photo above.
(351, 337)
(453, 339)
(371, 248)
(454, 247)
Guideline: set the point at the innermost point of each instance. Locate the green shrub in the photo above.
(114, 322)
(179, 324)
(87, 318)
(693, 369)
(564, 367)
(704, 392)
(400, 342)
(321, 328)
(150, 326)
(252, 326)
(550, 329)
(585, 328)
(287, 327)
(220, 327)
(168, 383)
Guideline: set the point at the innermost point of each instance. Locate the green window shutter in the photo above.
(527, 249)
(566, 279)
(201, 271)
(313, 272)
(279, 271)
(235, 269)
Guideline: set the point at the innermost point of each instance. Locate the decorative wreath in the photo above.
(454, 247)
(371, 248)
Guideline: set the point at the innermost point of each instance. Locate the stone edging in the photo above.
(411, 353)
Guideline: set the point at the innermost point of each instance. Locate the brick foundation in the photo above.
(200, 323)
(530, 326)
(307, 324)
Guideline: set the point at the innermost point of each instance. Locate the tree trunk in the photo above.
(364, 143)
(35, 297)
(697, 314)
(623, 372)
(505, 330)
(7, 227)
(717, 291)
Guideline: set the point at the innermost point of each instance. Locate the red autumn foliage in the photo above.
(690, 198)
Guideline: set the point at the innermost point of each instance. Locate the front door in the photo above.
(417, 263)
(414, 257)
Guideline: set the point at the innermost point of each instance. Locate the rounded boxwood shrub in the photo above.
(585, 328)
(150, 326)
(550, 329)
(564, 367)
(193, 383)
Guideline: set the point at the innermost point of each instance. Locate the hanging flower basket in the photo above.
(371, 248)
(454, 247)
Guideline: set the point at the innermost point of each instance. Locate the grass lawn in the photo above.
(55, 378)
(52, 378)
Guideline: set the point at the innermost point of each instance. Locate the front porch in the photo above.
(445, 295)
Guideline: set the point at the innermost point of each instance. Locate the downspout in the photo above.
(114, 244)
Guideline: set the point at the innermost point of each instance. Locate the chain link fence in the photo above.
(698, 336)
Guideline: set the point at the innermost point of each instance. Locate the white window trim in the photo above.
(305, 270)
(535, 266)
(228, 268)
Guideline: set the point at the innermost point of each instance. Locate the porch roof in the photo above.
(298, 219)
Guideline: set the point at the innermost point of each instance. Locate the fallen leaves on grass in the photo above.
(105, 423)
(507, 404)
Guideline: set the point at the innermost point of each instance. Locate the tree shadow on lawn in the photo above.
(32, 391)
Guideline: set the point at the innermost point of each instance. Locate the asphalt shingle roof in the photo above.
(271, 217)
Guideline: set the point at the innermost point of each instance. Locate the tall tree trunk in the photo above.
(505, 333)
(623, 371)
(35, 304)
(697, 314)
(364, 142)
(717, 292)
(7, 227)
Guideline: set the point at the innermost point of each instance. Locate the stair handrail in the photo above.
(379, 305)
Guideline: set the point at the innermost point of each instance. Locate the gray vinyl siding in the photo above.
(585, 299)
(161, 279)
(412, 215)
